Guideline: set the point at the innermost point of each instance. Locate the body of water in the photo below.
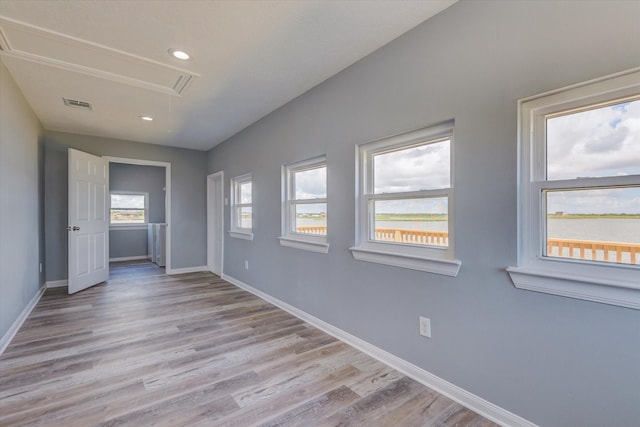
(599, 229)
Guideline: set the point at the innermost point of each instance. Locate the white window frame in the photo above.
(236, 230)
(289, 237)
(429, 259)
(130, 225)
(615, 284)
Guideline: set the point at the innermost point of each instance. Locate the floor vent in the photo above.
(77, 104)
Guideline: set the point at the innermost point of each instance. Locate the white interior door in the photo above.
(88, 227)
(215, 222)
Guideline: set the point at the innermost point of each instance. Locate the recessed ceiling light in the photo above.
(146, 118)
(180, 54)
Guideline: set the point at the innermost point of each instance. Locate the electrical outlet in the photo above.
(40, 267)
(425, 327)
(246, 264)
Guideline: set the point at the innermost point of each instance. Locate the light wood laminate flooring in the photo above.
(189, 350)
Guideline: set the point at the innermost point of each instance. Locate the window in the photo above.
(405, 200)
(241, 207)
(129, 208)
(304, 205)
(579, 192)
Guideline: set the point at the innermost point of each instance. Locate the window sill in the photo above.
(431, 265)
(306, 245)
(241, 235)
(614, 291)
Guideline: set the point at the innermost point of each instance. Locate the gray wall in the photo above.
(188, 195)
(21, 210)
(552, 360)
(131, 242)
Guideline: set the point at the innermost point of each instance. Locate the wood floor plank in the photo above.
(281, 398)
(315, 409)
(150, 349)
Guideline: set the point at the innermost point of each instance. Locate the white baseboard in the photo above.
(187, 270)
(452, 391)
(129, 258)
(57, 284)
(8, 336)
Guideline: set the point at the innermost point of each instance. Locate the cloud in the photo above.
(311, 184)
(131, 201)
(594, 143)
(425, 167)
(612, 141)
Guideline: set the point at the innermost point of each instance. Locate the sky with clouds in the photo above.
(127, 201)
(245, 192)
(595, 143)
(426, 167)
(311, 183)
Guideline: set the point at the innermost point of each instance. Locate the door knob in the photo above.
(76, 228)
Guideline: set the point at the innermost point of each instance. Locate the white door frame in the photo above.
(215, 222)
(167, 200)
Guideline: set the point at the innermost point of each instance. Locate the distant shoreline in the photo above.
(594, 216)
(444, 217)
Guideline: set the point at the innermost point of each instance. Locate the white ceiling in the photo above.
(249, 57)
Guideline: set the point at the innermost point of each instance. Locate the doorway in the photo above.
(215, 222)
(167, 182)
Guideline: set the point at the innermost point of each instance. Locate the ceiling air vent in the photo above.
(77, 104)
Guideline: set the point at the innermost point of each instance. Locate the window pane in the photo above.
(245, 192)
(310, 219)
(412, 221)
(425, 167)
(245, 217)
(127, 216)
(595, 143)
(599, 224)
(132, 201)
(310, 184)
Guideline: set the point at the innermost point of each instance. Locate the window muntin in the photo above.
(304, 205)
(584, 168)
(405, 199)
(241, 206)
(128, 208)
